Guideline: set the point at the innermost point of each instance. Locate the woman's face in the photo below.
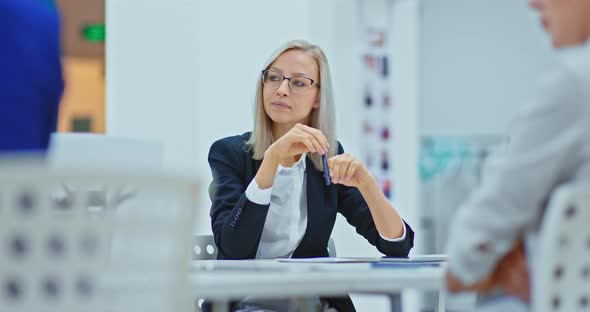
(566, 21)
(285, 104)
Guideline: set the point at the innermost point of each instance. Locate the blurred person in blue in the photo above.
(31, 83)
(492, 236)
(277, 190)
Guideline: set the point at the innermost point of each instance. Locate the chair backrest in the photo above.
(331, 248)
(561, 264)
(74, 256)
(204, 248)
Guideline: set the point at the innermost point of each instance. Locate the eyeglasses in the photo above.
(298, 84)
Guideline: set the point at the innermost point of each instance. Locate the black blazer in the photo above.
(237, 222)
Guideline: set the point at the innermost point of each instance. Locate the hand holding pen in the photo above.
(347, 170)
(341, 169)
(303, 139)
(300, 139)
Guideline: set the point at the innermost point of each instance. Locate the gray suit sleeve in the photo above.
(541, 152)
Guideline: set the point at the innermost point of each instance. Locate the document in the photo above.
(437, 258)
(329, 260)
(418, 258)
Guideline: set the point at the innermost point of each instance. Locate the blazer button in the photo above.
(233, 224)
(236, 218)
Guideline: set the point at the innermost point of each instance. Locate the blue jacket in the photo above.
(31, 82)
(237, 222)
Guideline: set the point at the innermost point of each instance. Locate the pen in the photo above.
(326, 172)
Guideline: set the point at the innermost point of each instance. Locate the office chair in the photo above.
(561, 266)
(73, 256)
(204, 248)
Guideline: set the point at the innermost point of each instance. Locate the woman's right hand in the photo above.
(300, 139)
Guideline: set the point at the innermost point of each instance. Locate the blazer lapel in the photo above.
(257, 163)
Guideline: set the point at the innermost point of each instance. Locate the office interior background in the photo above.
(173, 76)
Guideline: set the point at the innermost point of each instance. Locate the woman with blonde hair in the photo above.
(272, 196)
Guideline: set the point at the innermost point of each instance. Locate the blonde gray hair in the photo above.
(322, 118)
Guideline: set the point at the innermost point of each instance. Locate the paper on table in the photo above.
(329, 260)
(403, 265)
(418, 258)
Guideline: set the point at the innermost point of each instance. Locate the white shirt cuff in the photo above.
(399, 239)
(257, 195)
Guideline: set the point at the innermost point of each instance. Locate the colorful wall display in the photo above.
(377, 109)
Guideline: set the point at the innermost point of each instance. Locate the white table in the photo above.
(223, 280)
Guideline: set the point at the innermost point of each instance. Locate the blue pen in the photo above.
(326, 172)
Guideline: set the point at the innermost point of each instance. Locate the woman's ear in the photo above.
(316, 102)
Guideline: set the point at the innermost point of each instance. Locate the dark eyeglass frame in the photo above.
(313, 82)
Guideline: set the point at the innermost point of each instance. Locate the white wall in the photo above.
(406, 91)
(152, 75)
(478, 62)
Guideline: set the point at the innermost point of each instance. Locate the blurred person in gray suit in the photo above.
(548, 145)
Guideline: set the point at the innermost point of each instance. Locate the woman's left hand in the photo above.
(349, 171)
